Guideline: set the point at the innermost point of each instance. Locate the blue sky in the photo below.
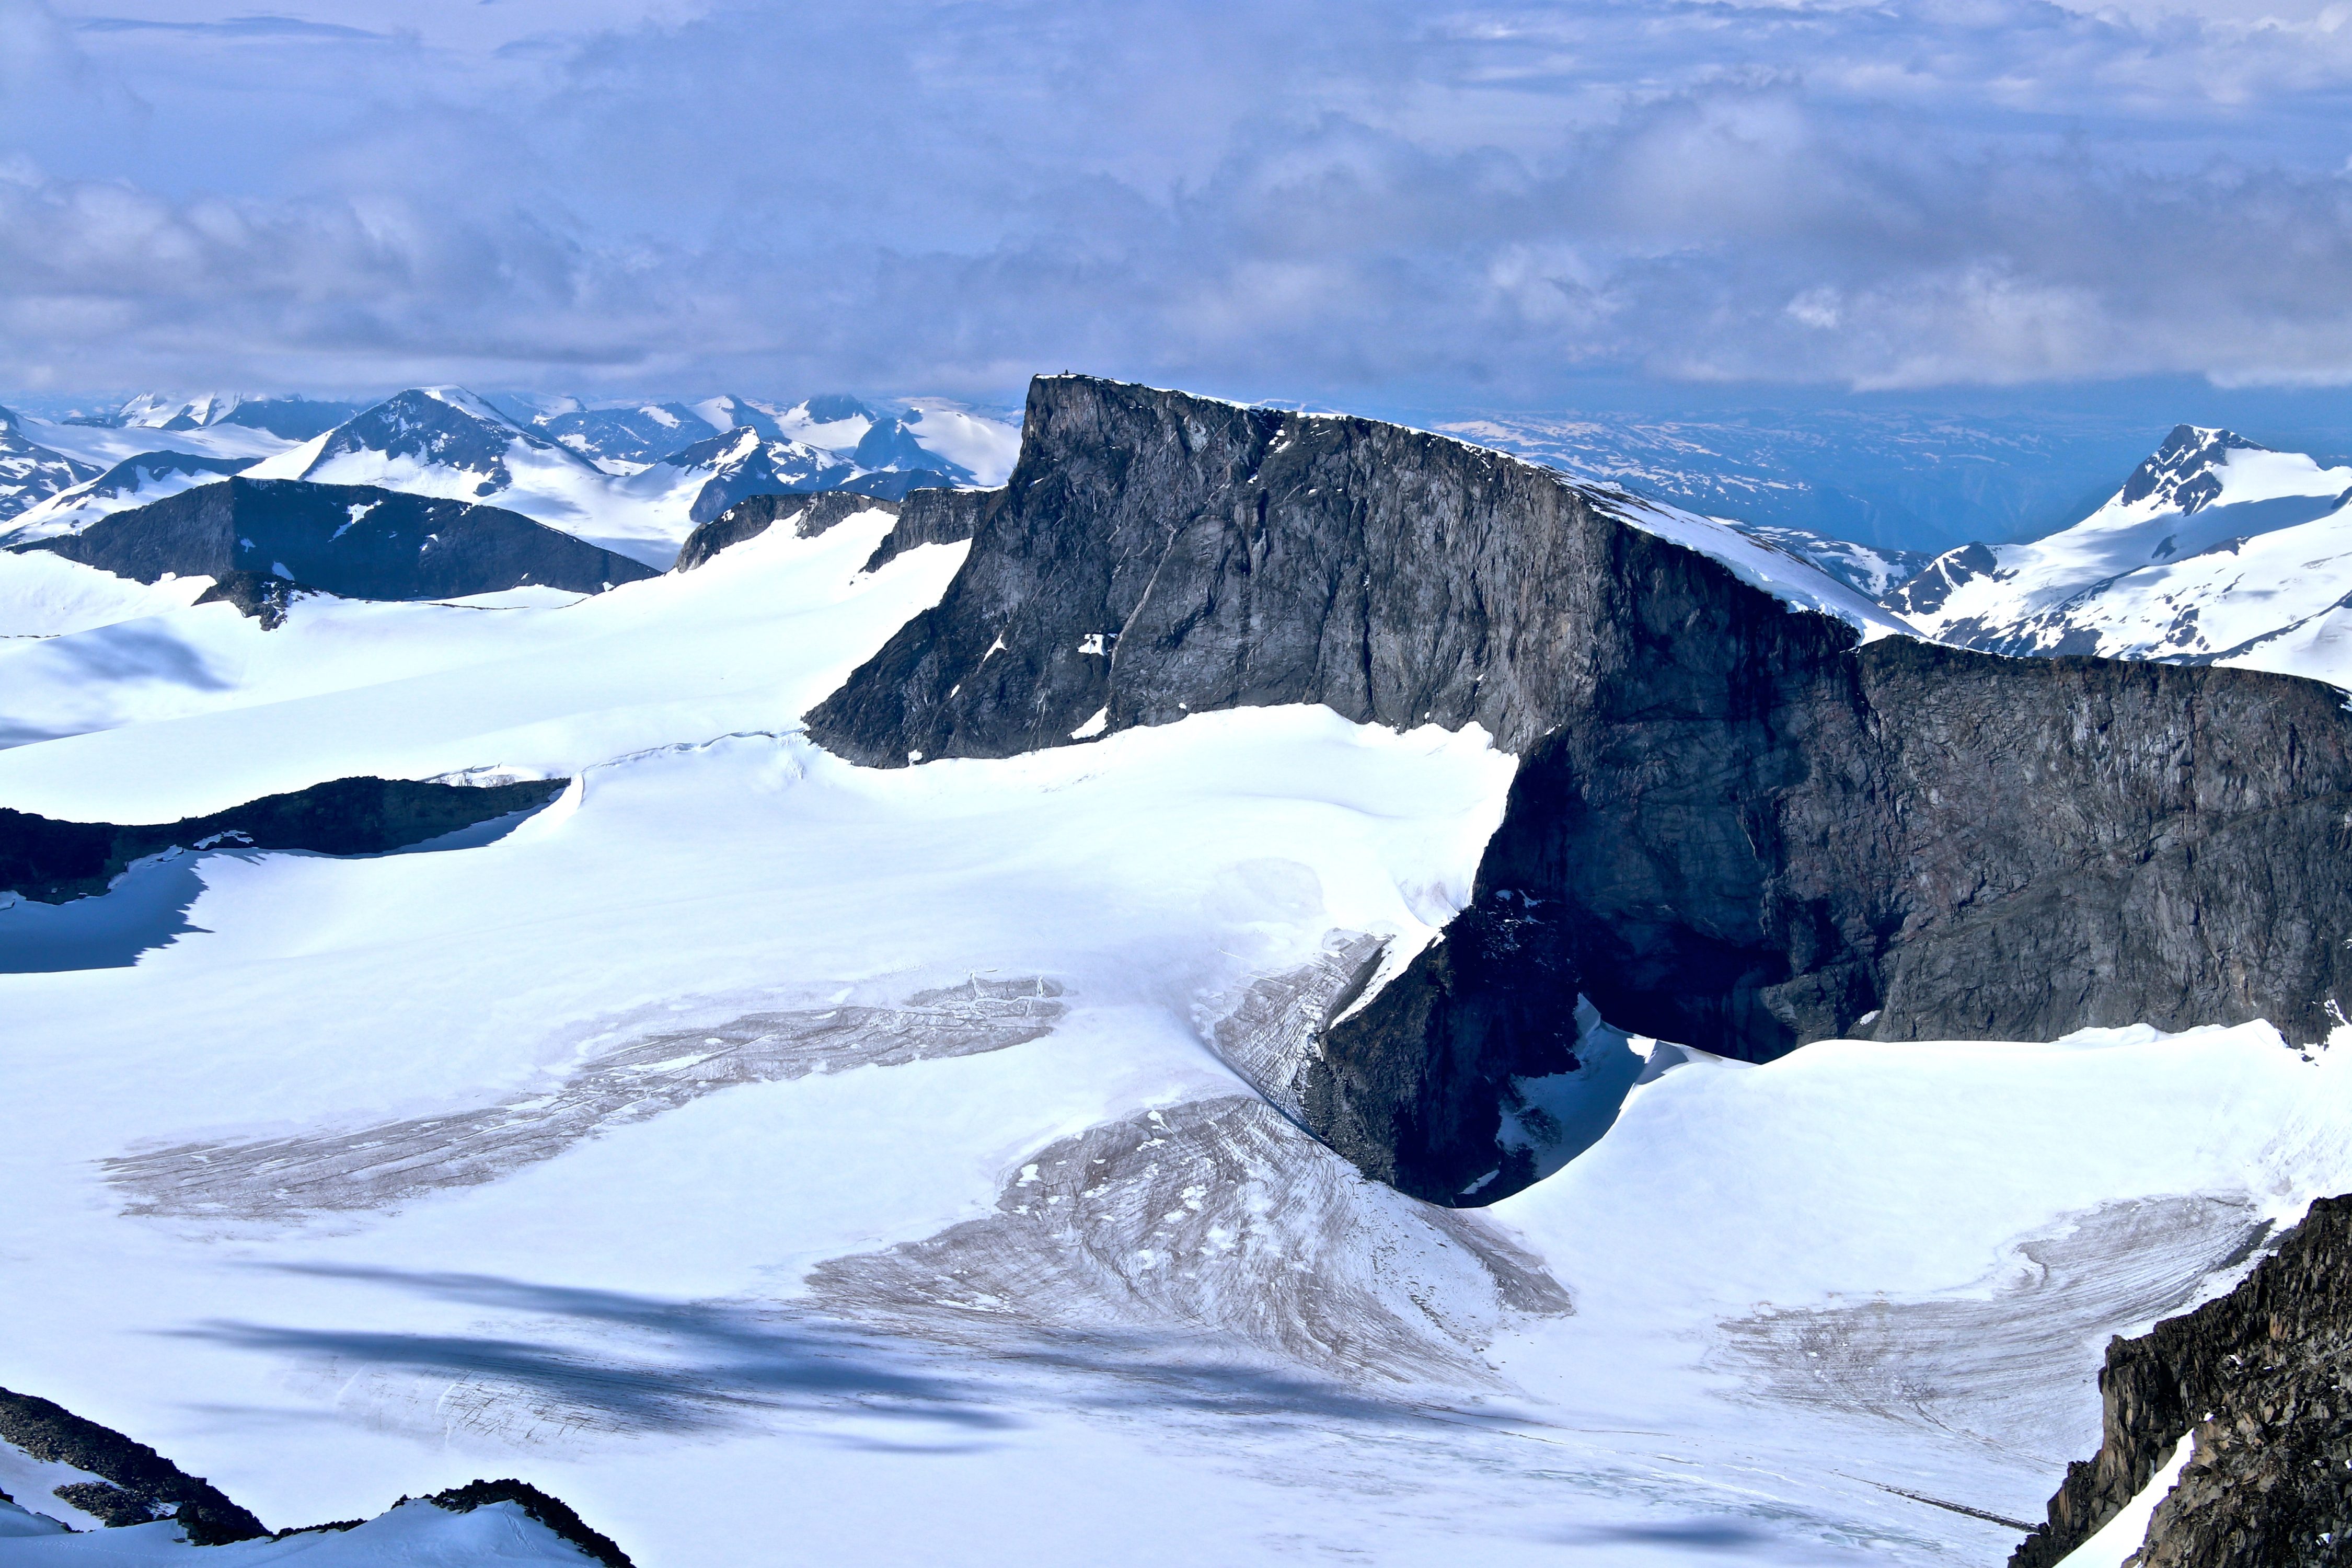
(1367, 204)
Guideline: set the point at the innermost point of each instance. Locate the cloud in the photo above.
(250, 27)
(1310, 199)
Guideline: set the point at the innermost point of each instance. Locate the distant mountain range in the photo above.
(633, 477)
(2215, 549)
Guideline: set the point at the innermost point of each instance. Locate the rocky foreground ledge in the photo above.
(2256, 1383)
(122, 1484)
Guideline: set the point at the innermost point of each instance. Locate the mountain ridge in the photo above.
(1736, 826)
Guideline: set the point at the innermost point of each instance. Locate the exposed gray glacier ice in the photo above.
(1211, 1229)
(284, 1179)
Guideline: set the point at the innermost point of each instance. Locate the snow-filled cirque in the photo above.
(888, 1097)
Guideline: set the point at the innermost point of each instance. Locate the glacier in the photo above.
(782, 1160)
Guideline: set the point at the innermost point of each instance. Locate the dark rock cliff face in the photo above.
(2258, 1377)
(352, 539)
(810, 513)
(1732, 828)
(52, 861)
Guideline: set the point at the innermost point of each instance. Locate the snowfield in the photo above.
(160, 716)
(784, 1161)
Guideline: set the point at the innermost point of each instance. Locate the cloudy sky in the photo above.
(1361, 202)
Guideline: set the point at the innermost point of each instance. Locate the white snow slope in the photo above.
(188, 710)
(2216, 550)
(1797, 582)
(784, 1161)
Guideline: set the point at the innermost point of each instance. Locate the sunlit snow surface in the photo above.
(784, 1161)
(164, 716)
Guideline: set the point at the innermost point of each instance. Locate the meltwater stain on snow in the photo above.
(2013, 1367)
(285, 1178)
(1210, 1232)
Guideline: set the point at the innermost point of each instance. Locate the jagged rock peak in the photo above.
(2180, 477)
(1929, 589)
(136, 1485)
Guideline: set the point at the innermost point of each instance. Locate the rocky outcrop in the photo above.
(52, 861)
(551, 1512)
(2257, 1380)
(810, 513)
(1925, 593)
(936, 517)
(1734, 825)
(263, 597)
(355, 541)
(138, 1486)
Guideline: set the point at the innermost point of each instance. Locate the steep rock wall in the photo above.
(1734, 826)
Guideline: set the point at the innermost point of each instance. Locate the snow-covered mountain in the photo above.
(622, 437)
(2214, 551)
(925, 1076)
(107, 467)
(31, 473)
(294, 418)
(446, 442)
(933, 439)
(134, 481)
(438, 440)
(580, 469)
